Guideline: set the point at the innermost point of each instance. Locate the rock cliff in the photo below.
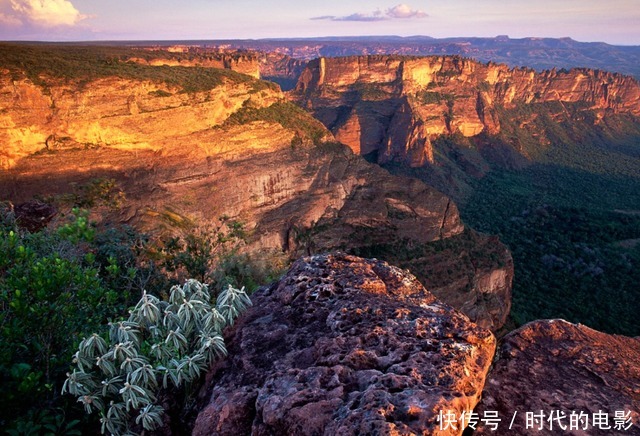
(244, 63)
(574, 379)
(234, 149)
(113, 112)
(344, 345)
(393, 107)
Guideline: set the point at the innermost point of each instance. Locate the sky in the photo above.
(611, 21)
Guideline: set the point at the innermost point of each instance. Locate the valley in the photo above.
(403, 221)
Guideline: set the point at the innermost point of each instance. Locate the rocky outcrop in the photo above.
(244, 63)
(393, 107)
(344, 345)
(564, 373)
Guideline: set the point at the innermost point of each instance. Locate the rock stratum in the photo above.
(344, 345)
(394, 109)
(216, 143)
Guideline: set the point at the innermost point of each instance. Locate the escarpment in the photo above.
(392, 108)
(185, 157)
(114, 112)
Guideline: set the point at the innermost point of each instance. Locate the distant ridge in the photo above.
(537, 53)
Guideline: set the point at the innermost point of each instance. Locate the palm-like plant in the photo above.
(150, 417)
(112, 386)
(125, 331)
(161, 344)
(212, 347)
(232, 302)
(147, 311)
(78, 383)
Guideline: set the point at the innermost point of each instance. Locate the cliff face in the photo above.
(393, 107)
(180, 158)
(112, 112)
(242, 63)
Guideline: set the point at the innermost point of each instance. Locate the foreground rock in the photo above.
(344, 345)
(559, 368)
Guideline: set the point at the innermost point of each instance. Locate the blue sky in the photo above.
(612, 21)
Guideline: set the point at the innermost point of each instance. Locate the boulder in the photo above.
(34, 215)
(345, 345)
(558, 372)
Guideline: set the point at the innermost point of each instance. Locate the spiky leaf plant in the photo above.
(161, 344)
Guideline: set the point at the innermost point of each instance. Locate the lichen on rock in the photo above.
(345, 345)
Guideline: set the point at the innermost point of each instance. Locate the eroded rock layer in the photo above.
(393, 107)
(345, 345)
(186, 158)
(563, 373)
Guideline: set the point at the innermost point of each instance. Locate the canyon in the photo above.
(393, 109)
(341, 343)
(185, 159)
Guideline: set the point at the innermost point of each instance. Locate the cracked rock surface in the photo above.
(552, 368)
(344, 345)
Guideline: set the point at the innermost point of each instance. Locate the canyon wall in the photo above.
(114, 112)
(185, 159)
(393, 107)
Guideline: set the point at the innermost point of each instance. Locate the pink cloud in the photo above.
(46, 13)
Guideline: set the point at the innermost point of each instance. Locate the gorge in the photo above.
(366, 160)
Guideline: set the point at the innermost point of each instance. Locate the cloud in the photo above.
(376, 16)
(47, 13)
(9, 20)
(404, 11)
(401, 11)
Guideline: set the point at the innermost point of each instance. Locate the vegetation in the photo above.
(374, 91)
(162, 344)
(570, 219)
(562, 190)
(572, 237)
(84, 63)
(439, 263)
(60, 284)
(434, 97)
(286, 114)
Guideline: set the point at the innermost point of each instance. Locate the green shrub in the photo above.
(162, 344)
(286, 114)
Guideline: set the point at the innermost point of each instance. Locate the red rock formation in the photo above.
(409, 101)
(559, 368)
(344, 345)
(174, 166)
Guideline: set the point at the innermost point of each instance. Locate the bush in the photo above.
(162, 344)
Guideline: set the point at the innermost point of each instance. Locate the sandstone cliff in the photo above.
(234, 149)
(344, 345)
(244, 63)
(114, 112)
(393, 107)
